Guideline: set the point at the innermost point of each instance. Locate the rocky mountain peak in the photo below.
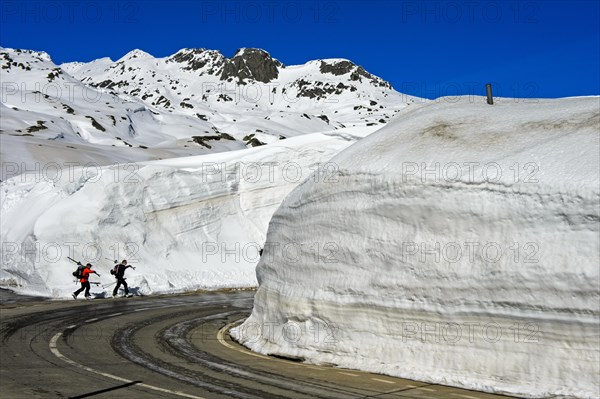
(17, 60)
(251, 63)
(340, 67)
(336, 67)
(199, 58)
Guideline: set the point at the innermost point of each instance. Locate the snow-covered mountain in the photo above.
(194, 102)
(206, 84)
(50, 116)
(457, 245)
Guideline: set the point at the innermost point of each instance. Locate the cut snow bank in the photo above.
(186, 223)
(458, 245)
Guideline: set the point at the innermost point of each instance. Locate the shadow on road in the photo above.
(7, 297)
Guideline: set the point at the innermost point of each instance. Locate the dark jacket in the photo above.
(121, 270)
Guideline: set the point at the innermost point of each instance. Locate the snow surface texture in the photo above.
(186, 223)
(459, 245)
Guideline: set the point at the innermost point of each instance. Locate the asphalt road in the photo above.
(165, 347)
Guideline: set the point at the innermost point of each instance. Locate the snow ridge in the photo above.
(189, 223)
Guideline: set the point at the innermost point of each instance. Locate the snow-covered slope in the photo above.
(194, 102)
(458, 245)
(187, 223)
(49, 116)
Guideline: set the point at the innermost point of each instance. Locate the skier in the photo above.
(119, 273)
(85, 281)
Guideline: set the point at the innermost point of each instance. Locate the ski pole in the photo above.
(108, 285)
(72, 260)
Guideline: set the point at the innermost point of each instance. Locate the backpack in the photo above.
(115, 270)
(79, 272)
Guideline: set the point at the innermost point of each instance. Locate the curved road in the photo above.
(165, 347)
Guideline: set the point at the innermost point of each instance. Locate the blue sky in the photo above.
(425, 48)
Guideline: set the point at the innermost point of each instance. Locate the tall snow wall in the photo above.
(458, 245)
(186, 223)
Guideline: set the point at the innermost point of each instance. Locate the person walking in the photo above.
(119, 275)
(85, 281)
